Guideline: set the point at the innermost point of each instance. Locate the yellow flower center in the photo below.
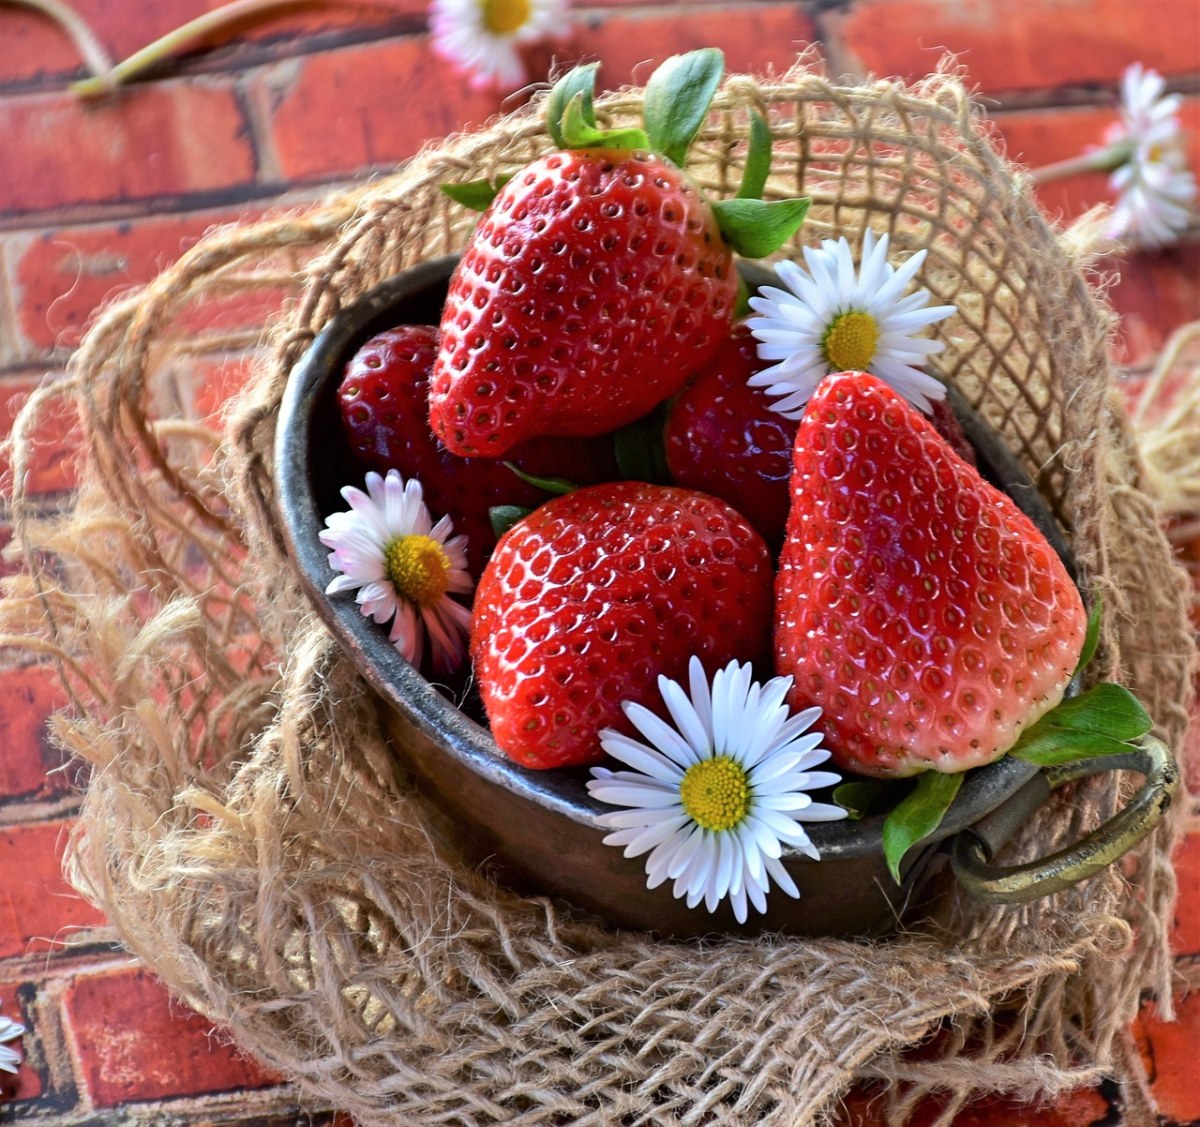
(418, 568)
(849, 343)
(504, 17)
(715, 794)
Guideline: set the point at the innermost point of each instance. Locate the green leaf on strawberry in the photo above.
(476, 194)
(1101, 721)
(556, 485)
(756, 228)
(579, 130)
(1091, 639)
(503, 517)
(758, 159)
(917, 815)
(677, 99)
(640, 451)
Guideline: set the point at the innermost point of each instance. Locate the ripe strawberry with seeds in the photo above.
(915, 603)
(593, 595)
(723, 437)
(599, 277)
(382, 400)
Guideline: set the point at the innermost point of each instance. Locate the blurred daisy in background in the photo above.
(1156, 196)
(480, 38)
(1145, 155)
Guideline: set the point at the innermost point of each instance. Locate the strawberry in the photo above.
(382, 404)
(598, 277)
(723, 437)
(592, 596)
(915, 603)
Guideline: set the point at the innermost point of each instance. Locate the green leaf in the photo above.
(1091, 639)
(477, 194)
(1053, 746)
(577, 83)
(1107, 709)
(640, 452)
(677, 99)
(557, 485)
(756, 228)
(861, 796)
(579, 133)
(1101, 721)
(917, 816)
(758, 159)
(503, 517)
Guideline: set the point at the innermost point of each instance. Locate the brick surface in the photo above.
(361, 107)
(1155, 293)
(56, 445)
(36, 50)
(1169, 1052)
(1029, 46)
(29, 765)
(762, 40)
(134, 1043)
(1185, 938)
(63, 275)
(37, 906)
(375, 105)
(166, 139)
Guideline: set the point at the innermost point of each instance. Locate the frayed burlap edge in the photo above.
(246, 830)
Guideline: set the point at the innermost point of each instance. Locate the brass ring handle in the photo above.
(974, 848)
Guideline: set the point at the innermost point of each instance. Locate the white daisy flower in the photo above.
(1147, 118)
(403, 566)
(1156, 196)
(480, 37)
(832, 319)
(715, 798)
(10, 1030)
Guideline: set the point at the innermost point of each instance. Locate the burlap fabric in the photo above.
(247, 833)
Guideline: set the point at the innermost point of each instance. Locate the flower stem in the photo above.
(1098, 160)
(77, 29)
(152, 53)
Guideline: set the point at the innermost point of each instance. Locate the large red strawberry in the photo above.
(915, 603)
(592, 596)
(598, 279)
(723, 437)
(382, 404)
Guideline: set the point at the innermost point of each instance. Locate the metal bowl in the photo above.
(539, 829)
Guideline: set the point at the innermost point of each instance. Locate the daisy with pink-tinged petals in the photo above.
(404, 567)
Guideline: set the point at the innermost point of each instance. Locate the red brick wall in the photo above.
(97, 197)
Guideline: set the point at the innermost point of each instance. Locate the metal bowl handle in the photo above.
(973, 848)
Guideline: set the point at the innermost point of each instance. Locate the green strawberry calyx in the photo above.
(1103, 720)
(677, 99)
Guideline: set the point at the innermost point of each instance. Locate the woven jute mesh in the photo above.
(246, 829)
